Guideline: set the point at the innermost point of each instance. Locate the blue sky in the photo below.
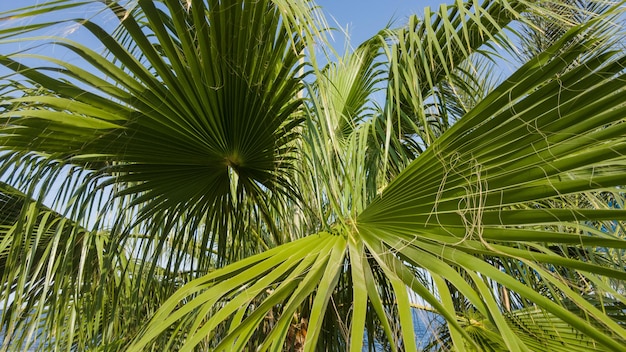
(363, 18)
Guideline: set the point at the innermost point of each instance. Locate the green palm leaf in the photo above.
(172, 129)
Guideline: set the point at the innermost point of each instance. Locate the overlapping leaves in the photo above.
(460, 213)
(194, 118)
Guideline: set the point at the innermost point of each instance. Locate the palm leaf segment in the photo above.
(36, 239)
(540, 331)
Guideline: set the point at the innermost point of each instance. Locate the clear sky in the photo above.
(363, 18)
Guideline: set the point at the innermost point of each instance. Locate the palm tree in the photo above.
(211, 183)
